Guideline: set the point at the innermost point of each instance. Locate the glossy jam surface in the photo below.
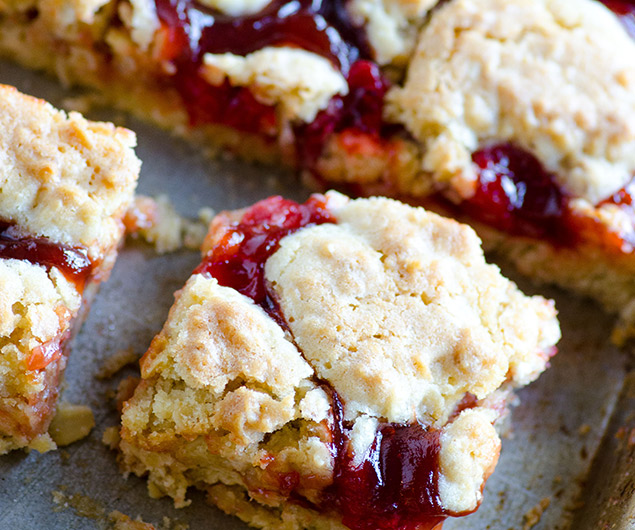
(190, 30)
(320, 26)
(361, 111)
(396, 487)
(238, 260)
(73, 262)
(515, 194)
(625, 10)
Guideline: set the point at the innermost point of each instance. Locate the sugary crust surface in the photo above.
(556, 77)
(36, 309)
(64, 177)
(230, 402)
(396, 307)
(301, 82)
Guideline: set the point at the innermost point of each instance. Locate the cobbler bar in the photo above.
(65, 185)
(335, 364)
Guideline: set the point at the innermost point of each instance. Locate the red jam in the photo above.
(73, 262)
(190, 30)
(625, 10)
(238, 261)
(361, 111)
(515, 194)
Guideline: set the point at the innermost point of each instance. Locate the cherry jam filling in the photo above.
(238, 261)
(190, 30)
(625, 10)
(396, 485)
(516, 195)
(361, 110)
(73, 262)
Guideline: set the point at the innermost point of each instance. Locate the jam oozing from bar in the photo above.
(72, 262)
(361, 111)
(190, 30)
(625, 10)
(238, 261)
(515, 194)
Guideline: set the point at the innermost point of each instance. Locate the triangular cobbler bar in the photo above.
(335, 364)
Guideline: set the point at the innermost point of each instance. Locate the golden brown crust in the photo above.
(76, 178)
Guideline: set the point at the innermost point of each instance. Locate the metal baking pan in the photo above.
(566, 463)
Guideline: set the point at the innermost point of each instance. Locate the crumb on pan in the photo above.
(158, 223)
(71, 423)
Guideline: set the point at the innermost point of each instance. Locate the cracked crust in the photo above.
(230, 402)
(542, 74)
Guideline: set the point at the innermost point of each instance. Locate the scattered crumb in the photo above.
(116, 362)
(121, 521)
(157, 222)
(82, 103)
(584, 429)
(169, 524)
(532, 517)
(71, 423)
(81, 504)
(111, 438)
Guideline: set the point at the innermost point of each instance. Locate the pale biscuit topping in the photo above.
(469, 452)
(556, 77)
(396, 307)
(236, 7)
(64, 177)
(301, 82)
(391, 25)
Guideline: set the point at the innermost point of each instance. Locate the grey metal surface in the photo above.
(555, 431)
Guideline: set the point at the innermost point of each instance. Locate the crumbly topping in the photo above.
(208, 332)
(301, 82)
(391, 25)
(396, 307)
(556, 77)
(141, 17)
(236, 8)
(468, 455)
(62, 176)
(61, 15)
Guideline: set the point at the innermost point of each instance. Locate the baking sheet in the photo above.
(545, 474)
